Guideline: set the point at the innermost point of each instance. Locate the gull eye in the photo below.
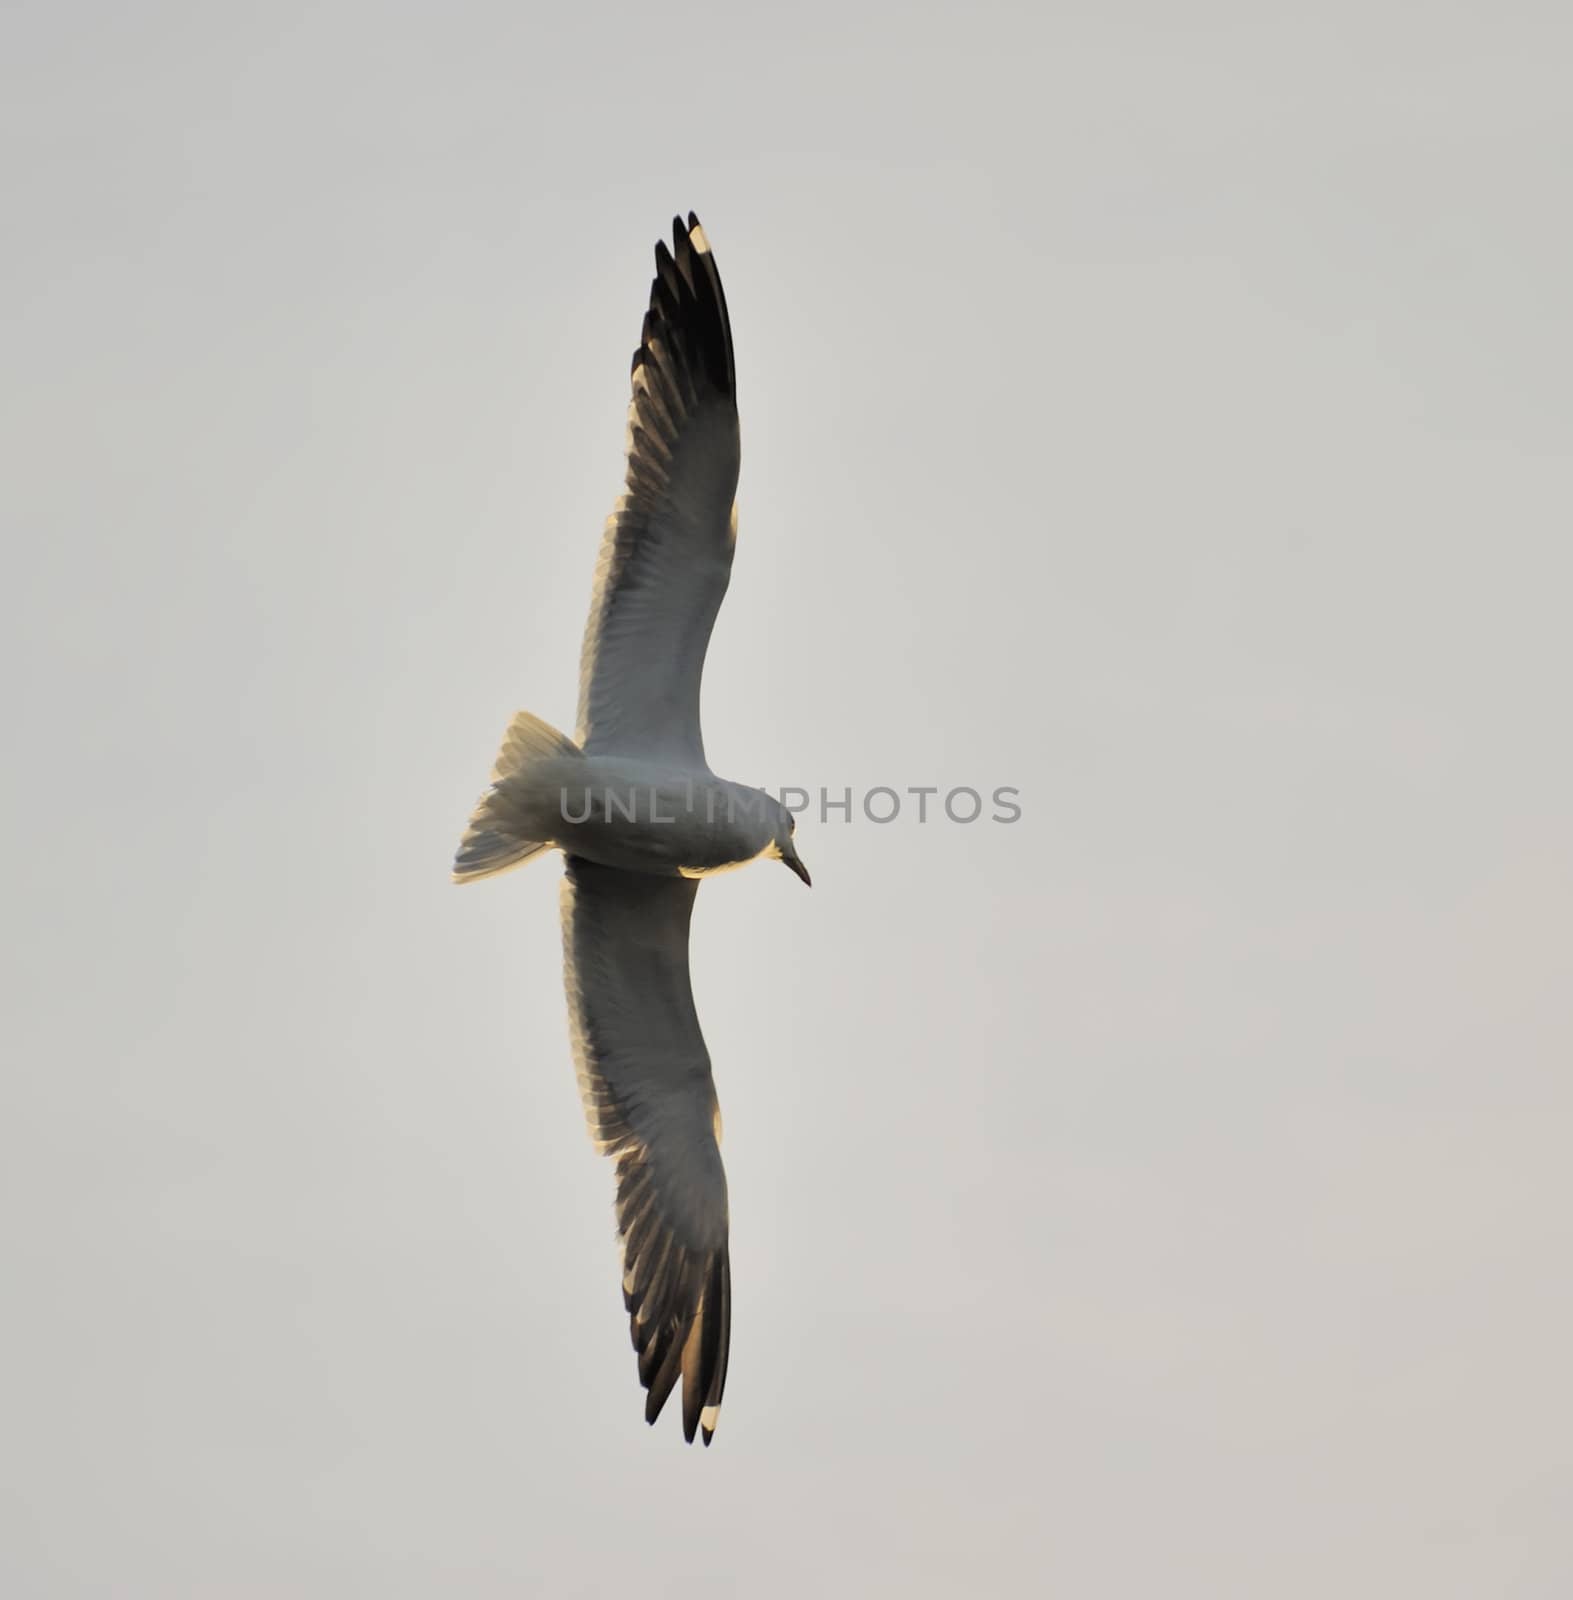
(791, 823)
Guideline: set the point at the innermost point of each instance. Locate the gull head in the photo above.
(783, 848)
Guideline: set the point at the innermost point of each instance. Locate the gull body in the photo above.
(643, 816)
(640, 818)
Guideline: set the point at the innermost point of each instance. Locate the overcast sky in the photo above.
(1164, 411)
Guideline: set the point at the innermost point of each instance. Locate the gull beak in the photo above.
(792, 859)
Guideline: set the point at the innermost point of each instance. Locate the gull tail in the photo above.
(504, 828)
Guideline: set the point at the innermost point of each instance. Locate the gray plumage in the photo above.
(641, 818)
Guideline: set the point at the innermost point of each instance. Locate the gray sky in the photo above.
(1162, 411)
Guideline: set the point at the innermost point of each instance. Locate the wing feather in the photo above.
(650, 1104)
(666, 557)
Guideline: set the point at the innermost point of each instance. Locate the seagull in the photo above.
(640, 818)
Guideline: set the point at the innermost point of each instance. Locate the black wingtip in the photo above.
(680, 1319)
(687, 313)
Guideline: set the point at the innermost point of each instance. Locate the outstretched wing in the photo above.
(667, 554)
(650, 1104)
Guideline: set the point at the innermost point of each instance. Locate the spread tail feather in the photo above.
(484, 852)
(491, 843)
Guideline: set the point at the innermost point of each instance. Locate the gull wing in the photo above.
(650, 1104)
(666, 557)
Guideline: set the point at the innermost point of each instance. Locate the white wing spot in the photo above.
(709, 1417)
(696, 237)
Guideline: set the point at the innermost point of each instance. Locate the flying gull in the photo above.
(640, 817)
